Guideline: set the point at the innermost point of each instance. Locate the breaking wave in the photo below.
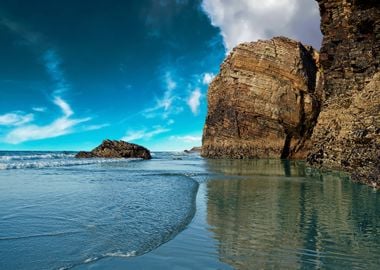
(27, 160)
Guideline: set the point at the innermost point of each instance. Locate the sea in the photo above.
(180, 211)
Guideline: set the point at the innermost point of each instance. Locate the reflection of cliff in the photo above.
(268, 167)
(291, 223)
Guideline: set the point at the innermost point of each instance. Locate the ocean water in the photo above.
(179, 211)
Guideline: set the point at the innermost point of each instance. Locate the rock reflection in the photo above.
(257, 167)
(276, 216)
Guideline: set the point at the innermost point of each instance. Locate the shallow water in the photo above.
(182, 212)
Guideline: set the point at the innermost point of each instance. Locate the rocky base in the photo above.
(116, 149)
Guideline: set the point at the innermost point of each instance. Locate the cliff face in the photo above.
(266, 100)
(350, 53)
(264, 103)
(348, 130)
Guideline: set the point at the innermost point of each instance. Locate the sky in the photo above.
(73, 73)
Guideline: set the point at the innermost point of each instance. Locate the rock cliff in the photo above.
(347, 134)
(264, 102)
(116, 149)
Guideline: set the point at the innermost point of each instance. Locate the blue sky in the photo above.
(73, 73)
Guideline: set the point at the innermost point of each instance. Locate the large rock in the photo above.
(116, 149)
(349, 137)
(264, 102)
(347, 134)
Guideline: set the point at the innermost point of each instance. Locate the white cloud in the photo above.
(143, 134)
(188, 139)
(66, 109)
(250, 20)
(15, 119)
(61, 126)
(39, 109)
(194, 101)
(95, 127)
(207, 78)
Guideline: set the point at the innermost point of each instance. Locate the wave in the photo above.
(36, 156)
(97, 258)
(121, 254)
(58, 163)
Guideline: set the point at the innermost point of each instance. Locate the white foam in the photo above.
(36, 156)
(120, 254)
(57, 163)
(90, 259)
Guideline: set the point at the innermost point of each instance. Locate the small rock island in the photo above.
(195, 149)
(116, 149)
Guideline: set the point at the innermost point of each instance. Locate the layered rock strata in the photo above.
(264, 102)
(347, 134)
(349, 138)
(116, 149)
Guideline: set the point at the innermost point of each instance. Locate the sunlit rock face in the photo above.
(348, 130)
(264, 102)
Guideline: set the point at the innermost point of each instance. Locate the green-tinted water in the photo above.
(280, 216)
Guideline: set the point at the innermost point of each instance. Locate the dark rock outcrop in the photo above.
(347, 134)
(116, 149)
(264, 102)
(195, 149)
(350, 53)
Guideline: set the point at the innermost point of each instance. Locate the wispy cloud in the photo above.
(25, 129)
(53, 63)
(61, 126)
(66, 109)
(133, 135)
(196, 139)
(30, 37)
(95, 127)
(15, 119)
(170, 83)
(207, 78)
(194, 100)
(39, 109)
(164, 106)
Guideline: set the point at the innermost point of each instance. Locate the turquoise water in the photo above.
(180, 211)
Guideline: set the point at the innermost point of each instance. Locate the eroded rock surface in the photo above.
(349, 138)
(116, 149)
(264, 103)
(347, 134)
